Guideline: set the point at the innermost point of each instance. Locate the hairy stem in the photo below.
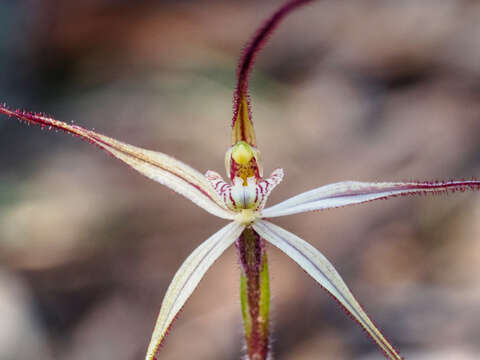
(254, 293)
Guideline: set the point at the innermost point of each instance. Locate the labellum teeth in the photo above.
(266, 186)
(239, 196)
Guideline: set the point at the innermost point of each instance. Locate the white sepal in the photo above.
(318, 267)
(167, 171)
(157, 166)
(356, 192)
(187, 278)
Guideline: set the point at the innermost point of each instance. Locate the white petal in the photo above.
(318, 267)
(157, 166)
(187, 278)
(355, 192)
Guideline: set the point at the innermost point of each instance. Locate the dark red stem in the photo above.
(251, 251)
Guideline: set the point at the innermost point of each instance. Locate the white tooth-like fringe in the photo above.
(267, 185)
(238, 196)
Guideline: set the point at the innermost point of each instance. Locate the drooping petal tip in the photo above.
(320, 269)
(186, 280)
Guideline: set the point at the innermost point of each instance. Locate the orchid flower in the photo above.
(241, 199)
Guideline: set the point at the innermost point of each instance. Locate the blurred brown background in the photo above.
(364, 90)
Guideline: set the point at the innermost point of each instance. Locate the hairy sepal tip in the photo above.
(242, 123)
(157, 166)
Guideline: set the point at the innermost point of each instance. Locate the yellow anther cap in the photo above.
(242, 153)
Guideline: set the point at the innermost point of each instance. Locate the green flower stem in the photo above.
(254, 293)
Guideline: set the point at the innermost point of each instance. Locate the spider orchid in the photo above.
(242, 200)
